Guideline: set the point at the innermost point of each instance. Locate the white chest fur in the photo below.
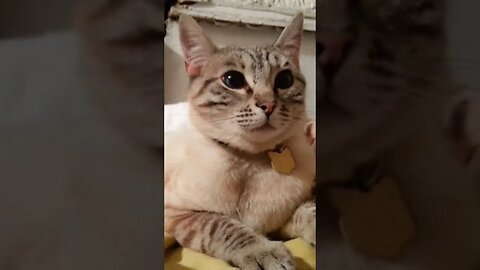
(202, 175)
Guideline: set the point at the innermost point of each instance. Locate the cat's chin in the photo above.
(263, 134)
(264, 129)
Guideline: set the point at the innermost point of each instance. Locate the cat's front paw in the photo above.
(309, 232)
(267, 255)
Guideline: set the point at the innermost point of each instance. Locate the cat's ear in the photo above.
(290, 40)
(196, 46)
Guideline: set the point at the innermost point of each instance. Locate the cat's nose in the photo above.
(331, 51)
(267, 107)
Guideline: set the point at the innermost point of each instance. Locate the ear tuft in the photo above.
(196, 46)
(290, 40)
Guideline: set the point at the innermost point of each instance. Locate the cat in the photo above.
(222, 193)
(383, 92)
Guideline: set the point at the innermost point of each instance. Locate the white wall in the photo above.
(176, 81)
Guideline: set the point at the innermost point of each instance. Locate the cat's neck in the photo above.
(240, 145)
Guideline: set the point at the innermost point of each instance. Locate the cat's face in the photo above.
(245, 96)
(374, 59)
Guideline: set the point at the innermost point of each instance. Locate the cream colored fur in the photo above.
(200, 176)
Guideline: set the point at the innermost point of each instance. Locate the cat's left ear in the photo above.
(290, 40)
(197, 47)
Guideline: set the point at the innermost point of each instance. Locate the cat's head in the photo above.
(375, 60)
(249, 97)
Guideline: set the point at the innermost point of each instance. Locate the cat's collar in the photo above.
(278, 148)
(281, 158)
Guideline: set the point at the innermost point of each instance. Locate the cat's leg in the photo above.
(302, 223)
(223, 237)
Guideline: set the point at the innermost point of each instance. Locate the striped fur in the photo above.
(223, 198)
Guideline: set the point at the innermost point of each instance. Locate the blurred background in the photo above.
(21, 18)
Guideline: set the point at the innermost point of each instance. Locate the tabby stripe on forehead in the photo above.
(252, 56)
(272, 59)
(252, 64)
(267, 56)
(259, 59)
(275, 57)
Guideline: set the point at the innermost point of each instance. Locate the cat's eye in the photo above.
(234, 79)
(284, 79)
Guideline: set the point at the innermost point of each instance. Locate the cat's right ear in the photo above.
(291, 38)
(196, 46)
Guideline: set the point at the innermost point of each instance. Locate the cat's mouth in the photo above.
(263, 128)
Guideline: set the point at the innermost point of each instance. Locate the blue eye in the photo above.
(234, 79)
(284, 79)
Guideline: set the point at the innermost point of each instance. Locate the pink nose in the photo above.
(331, 51)
(267, 107)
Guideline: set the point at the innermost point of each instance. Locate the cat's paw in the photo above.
(309, 232)
(268, 255)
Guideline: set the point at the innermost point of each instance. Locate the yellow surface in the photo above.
(177, 258)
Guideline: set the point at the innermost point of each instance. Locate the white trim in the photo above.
(216, 13)
(289, 7)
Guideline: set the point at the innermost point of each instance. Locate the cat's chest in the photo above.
(266, 198)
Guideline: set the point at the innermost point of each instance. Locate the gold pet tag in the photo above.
(282, 160)
(376, 222)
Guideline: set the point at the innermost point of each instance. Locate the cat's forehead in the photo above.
(241, 51)
(248, 54)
